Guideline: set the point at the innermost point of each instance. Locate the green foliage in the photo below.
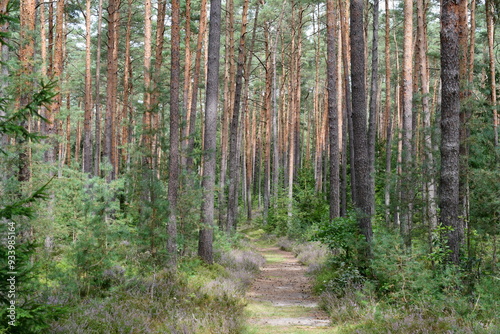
(12, 123)
(308, 208)
(341, 234)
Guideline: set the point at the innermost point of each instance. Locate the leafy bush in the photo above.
(340, 235)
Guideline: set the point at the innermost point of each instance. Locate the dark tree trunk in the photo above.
(361, 161)
(450, 125)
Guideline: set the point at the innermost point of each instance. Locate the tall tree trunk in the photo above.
(87, 132)
(406, 182)
(26, 56)
(274, 101)
(68, 132)
(465, 113)
(234, 151)
(429, 186)
(347, 87)
(333, 125)
(387, 116)
(205, 246)
(228, 107)
(450, 125)
(173, 180)
(249, 125)
(191, 118)
(360, 140)
(187, 71)
(146, 119)
(268, 121)
(56, 74)
(490, 24)
(127, 91)
(372, 129)
(111, 88)
(156, 83)
(97, 159)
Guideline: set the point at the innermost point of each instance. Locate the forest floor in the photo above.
(280, 299)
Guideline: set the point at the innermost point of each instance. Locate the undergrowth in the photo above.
(199, 298)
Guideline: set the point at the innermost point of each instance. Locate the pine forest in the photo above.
(249, 166)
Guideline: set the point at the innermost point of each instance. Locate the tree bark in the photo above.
(26, 56)
(450, 125)
(428, 163)
(205, 246)
(387, 117)
(228, 108)
(56, 74)
(234, 151)
(191, 118)
(97, 159)
(345, 59)
(87, 131)
(361, 161)
(372, 129)
(490, 24)
(333, 125)
(127, 119)
(407, 182)
(173, 180)
(111, 88)
(146, 117)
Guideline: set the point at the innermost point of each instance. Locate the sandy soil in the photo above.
(280, 299)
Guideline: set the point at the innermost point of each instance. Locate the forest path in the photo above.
(280, 298)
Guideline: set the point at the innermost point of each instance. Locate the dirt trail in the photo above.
(280, 299)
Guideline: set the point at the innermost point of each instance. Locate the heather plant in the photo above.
(200, 298)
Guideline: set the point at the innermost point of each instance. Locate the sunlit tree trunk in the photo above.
(146, 119)
(407, 85)
(56, 74)
(205, 246)
(26, 56)
(490, 24)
